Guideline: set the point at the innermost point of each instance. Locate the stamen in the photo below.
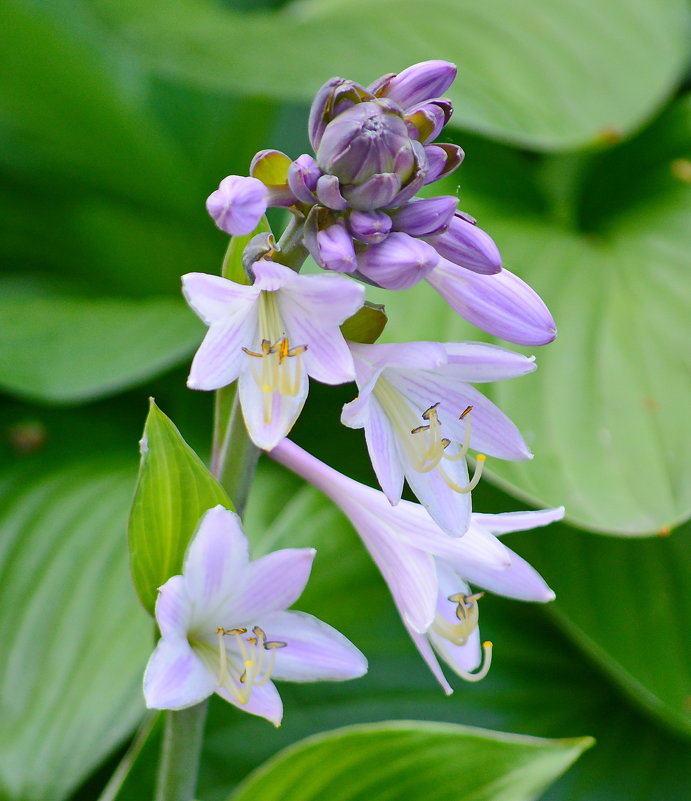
(256, 667)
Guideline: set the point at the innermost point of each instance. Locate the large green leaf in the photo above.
(74, 639)
(412, 760)
(606, 412)
(66, 349)
(552, 75)
(173, 491)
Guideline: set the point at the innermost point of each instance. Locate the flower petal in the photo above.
(478, 362)
(269, 416)
(449, 509)
(422, 644)
(519, 580)
(175, 677)
(518, 521)
(272, 583)
(315, 651)
(312, 309)
(214, 563)
(173, 608)
(220, 357)
(501, 304)
(383, 453)
(213, 298)
(409, 572)
(265, 702)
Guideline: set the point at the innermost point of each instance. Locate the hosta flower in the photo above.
(426, 570)
(238, 204)
(421, 417)
(224, 628)
(270, 336)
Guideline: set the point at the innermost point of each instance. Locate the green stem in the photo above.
(236, 458)
(182, 745)
(292, 252)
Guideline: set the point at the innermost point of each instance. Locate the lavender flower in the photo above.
(224, 628)
(271, 336)
(421, 417)
(426, 570)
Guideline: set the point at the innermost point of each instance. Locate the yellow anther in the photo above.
(465, 412)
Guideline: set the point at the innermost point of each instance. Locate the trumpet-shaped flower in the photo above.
(224, 627)
(427, 570)
(270, 336)
(421, 416)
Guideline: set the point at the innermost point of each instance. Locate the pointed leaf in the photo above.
(428, 759)
(173, 491)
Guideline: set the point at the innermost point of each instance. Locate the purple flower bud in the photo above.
(425, 217)
(329, 242)
(421, 82)
(426, 121)
(399, 262)
(501, 304)
(329, 193)
(443, 159)
(303, 175)
(369, 227)
(363, 141)
(238, 204)
(468, 246)
(375, 192)
(334, 97)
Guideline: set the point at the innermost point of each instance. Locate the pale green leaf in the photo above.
(173, 491)
(75, 641)
(551, 75)
(427, 759)
(65, 349)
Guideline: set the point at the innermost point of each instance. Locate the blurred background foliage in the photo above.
(117, 118)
